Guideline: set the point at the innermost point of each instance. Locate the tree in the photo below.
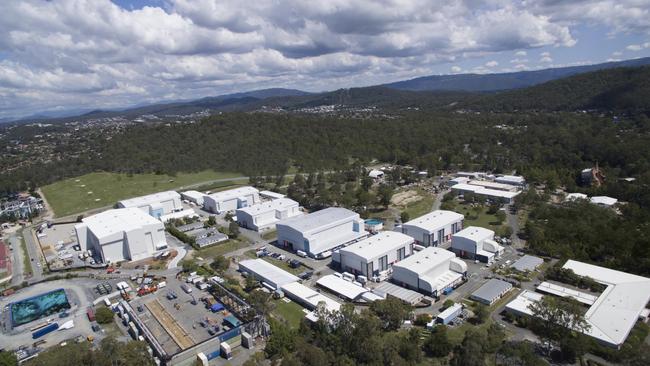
(470, 352)
(8, 359)
(261, 302)
(560, 321)
(212, 221)
(422, 319)
(104, 315)
(282, 340)
(220, 264)
(385, 193)
(404, 217)
(481, 313)
(438, 344)
(447, 303)
(233, 230)
(391, 311)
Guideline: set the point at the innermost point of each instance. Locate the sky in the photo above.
(59, 55)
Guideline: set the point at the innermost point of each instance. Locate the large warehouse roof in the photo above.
(318, 219)
(277, 204)
(426, 259)
(342, 287)
(232, 193)
(150, 199)
(309, 296)
(268, 272)
(527, 263)
(381, 243)
(475, 233)
(485, 191)
(118, 220)
(617, 309)
(436, 220)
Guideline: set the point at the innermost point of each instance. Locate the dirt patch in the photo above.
(405, 198)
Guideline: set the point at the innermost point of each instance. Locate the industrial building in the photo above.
(343, 288)
(506, 197)
(571, 197)
(612, 314)
(156, 205)
(491, 291)
(376, 174)
(373, 255)
(476, 243)
(121, 234)
(264, 216)
(432, 270)
(309, 298)
(270, 195)
(515, 180)
(434, 228)
(487, 184)
(449, 314)
(320, 231)
(527, 263)
(271, 276)
(603, 201)
(231, 199)
(195, 197)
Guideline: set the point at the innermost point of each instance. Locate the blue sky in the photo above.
(89, 54)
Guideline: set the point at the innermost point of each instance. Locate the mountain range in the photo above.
(505, 91)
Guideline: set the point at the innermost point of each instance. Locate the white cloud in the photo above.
(634, 47)
(546, 59)
(617, 53)
(492, 63)
(51, 56)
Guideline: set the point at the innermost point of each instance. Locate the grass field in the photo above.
(484, 219)
(421, 207)
(289, 311)
(222, 249)
(95, 190)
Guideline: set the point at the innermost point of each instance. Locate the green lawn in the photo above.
(97, 190)
(27, 264)
(222, 248)
(421, 207)
(289, 311)
(484, 219)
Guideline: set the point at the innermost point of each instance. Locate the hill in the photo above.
(504, 81)
(624, 89)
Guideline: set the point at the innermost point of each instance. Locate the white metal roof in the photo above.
(523, 301)
(516, 179)
(150, 199)
(195, 195)
(493, 185)
(310, 296)
(450, 310)
(375, 245)
(603, 200)
(562, 291)
(491, 290)
(271, 194)
(527, 263)
(318, 219)
(232, 193)
(404, 294)
(459, 180)
(576, 196)
(485, 191)
(277, 204)
(617, 309)
(475, 233)
(426, 260)
(268, 271)
(118, 220)
(375, 173)
(342, 287)
(435, 220)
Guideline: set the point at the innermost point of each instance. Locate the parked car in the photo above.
(294, 263)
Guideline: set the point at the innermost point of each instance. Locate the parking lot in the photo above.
(59, 246)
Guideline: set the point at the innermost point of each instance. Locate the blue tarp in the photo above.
(216, 307)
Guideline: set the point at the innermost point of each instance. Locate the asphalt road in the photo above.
(34, 253)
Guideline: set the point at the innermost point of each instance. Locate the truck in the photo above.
(90, 314)
(186, 288)
(45, 330)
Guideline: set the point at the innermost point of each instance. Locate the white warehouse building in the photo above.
(121, 234)
(156, 204)
(476, 243)
(231, 199)
(320, 231)
(432, 271)
(265, 215)
(194, 196)
(373, 255)
(434, 228)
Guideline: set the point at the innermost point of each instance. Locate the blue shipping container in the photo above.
(43, 331)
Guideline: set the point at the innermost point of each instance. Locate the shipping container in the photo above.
(45, 330)
(91, 314)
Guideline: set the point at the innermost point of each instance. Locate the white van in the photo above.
(301, 254)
